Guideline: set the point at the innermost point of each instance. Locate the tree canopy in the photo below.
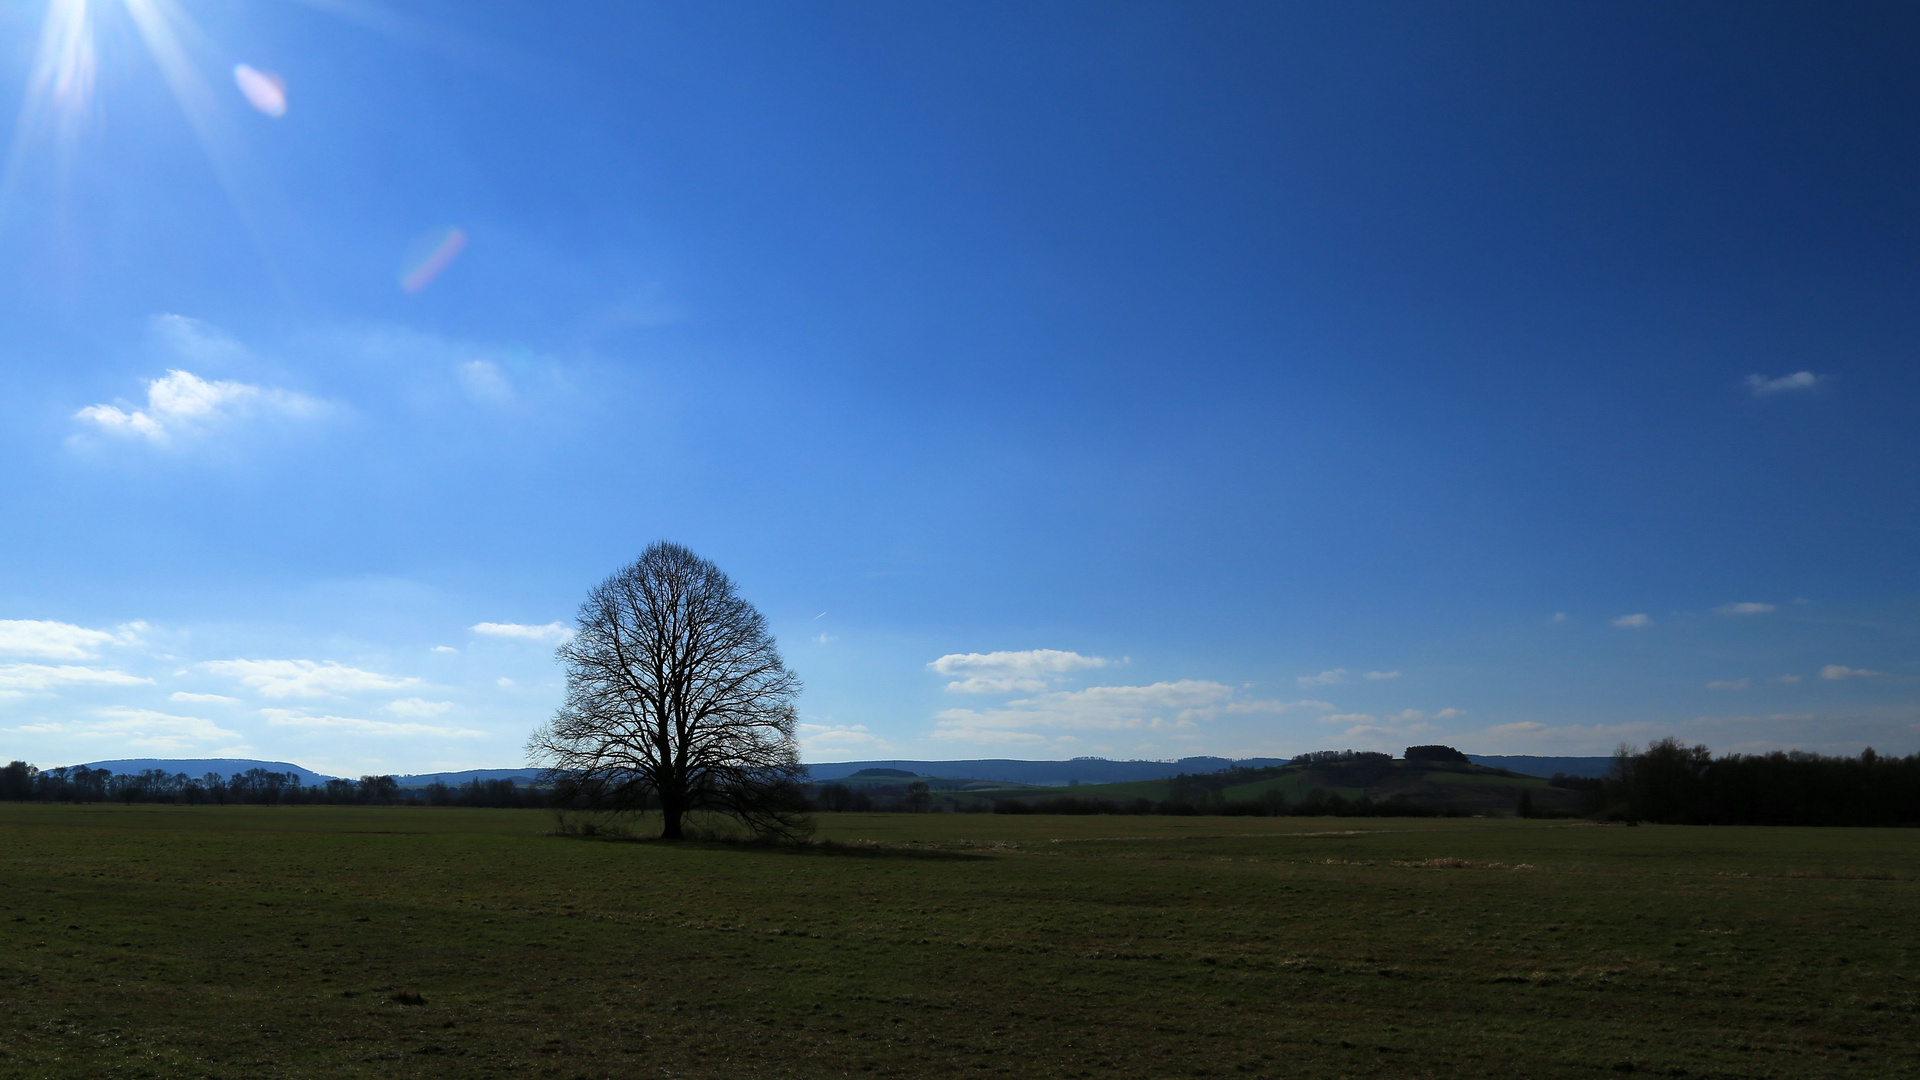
(677, 699)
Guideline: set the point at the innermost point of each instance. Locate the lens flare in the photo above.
(263, 90)
(430, 255)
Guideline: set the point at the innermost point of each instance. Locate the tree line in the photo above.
(22, 782)
(1671, 783)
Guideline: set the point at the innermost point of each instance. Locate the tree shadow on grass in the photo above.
(726, 835)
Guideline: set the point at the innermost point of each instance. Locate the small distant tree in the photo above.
(676, 698)
(918, 796)
(1526, 803)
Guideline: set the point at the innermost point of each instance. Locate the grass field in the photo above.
(353, 942)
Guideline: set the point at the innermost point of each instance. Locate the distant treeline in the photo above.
(20, 781)
(1316, 804)
(1676, 784)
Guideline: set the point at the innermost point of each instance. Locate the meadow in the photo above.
(423, 942)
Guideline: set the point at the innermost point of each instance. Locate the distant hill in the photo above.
(199, 767)
(1044, 773)
(1436, 785)
(455, 779)
(1545, 766)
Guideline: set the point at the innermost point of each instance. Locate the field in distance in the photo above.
(349, 941)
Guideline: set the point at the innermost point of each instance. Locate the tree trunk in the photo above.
(671, 831)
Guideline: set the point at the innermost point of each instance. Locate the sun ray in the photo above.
(170, 35)
(59, 91)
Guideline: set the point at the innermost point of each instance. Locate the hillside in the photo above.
(1041, 773)
(199, 767)
(1589, 767)
(1430, 784)
(522, 777)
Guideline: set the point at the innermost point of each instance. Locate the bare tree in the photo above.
(676, 697)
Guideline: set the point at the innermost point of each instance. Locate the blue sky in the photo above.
(1137, 380)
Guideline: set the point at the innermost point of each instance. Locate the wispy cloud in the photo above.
(1388, 731)
(553, 631)
(1762, 385)
(304, 678)
(61, 641)
(1746, 607)
(1377, 675)
(1786, 678)
(48, 676)
(417, 708)
(1633, 621)
(143, 728)
(298, 719)
(1325, 678)
(1008, 672)
(818, 740)
(484, 381)
(1729, 684)
(1160, 707)
(1837, 672)
(186, 697)
(181, 404)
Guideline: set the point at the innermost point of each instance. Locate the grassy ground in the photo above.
(155, 941)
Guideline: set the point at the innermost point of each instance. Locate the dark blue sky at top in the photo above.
(1228, 344)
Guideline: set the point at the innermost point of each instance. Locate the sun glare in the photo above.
(64, 68)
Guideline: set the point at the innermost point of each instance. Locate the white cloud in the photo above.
(181, 404)
(503, 682)
(443, 649)
(417, 708)
(1734, 684)
(1633, 620)
(303, 678)
(1325, 678)
(824, 639)
(208, 699)
(46, 676)
(1449, 714)
(52, 640)
(818, 740)
(1559, 616)
(292, 718)
(1005, 672)
(1161, 707)
(1835, 671)
(1761, 385)
(1786, 678)
(143, 728)
(1376, 675)
(1745, 608)
(552, 631)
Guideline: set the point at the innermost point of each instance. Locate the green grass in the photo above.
(157, 941)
